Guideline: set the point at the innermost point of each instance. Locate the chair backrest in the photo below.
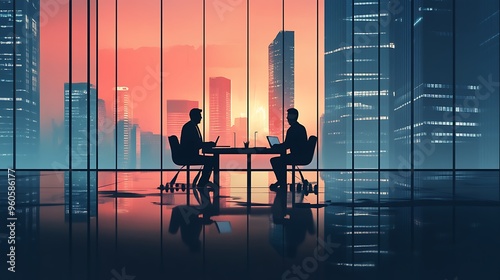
(175, 148)
(311, 147)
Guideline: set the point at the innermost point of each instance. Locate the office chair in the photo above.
(305, 186)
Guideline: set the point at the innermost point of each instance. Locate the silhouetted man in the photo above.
(191, 143)
(295, 140)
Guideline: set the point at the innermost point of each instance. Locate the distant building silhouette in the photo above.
(126, 130)
(78, 123)
(240, 130)
(178, 114)
(27, 86)
(220, 110)
(101, 114)
(281, 79)
(150, 150)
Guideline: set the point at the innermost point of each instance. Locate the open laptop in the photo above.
(273, 140)
(219, 146)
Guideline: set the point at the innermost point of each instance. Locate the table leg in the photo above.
(217, 170)
(249, 180)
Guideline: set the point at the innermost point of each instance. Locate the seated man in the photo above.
(295, 140)
(191, 143)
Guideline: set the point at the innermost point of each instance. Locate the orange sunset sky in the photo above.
(139, 55)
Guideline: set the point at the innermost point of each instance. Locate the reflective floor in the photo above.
(395, 225)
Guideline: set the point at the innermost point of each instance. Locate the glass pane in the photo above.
(264, 116)
(106, 84)
(336, 147)
(300, 17)
(27, 84)
(433, 84)
(183, 74)
(138, 87)
(400, 93)
(366, 89)
(476, 66)
(6, 84)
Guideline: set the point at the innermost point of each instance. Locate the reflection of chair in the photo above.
(309, 154)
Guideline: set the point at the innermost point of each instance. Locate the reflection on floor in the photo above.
(366, 225)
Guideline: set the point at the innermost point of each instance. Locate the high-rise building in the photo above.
(178, 115)
(27, 85)
(444, 85)
(281, 80)
(127, 135)
(220, 110)
(78, 122)
(488, 68)
(356, 76)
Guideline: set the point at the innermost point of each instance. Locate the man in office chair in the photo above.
(191, 143)
(296, 141)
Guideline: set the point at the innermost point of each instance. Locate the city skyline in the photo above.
(380, 77)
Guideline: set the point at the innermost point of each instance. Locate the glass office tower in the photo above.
(79, 122)
(281, 80)
(26, 120)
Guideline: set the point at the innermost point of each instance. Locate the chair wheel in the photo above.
(177, 188)
(299, 187)
(161, 187)
(171, 188)
(292, 189)
(183, 187)
(310, 188)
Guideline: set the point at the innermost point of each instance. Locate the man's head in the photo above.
(195, 115)
(292, 115)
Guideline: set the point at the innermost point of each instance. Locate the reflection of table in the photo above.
(239, 151)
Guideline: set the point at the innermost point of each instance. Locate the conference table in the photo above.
(218, 151)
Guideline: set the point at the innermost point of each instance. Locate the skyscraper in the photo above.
(281, 79)
(356, 76)
(444, 84)
(220, 110)
(26, 87)
(178, 115)
(127, 137)
(78, 124)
